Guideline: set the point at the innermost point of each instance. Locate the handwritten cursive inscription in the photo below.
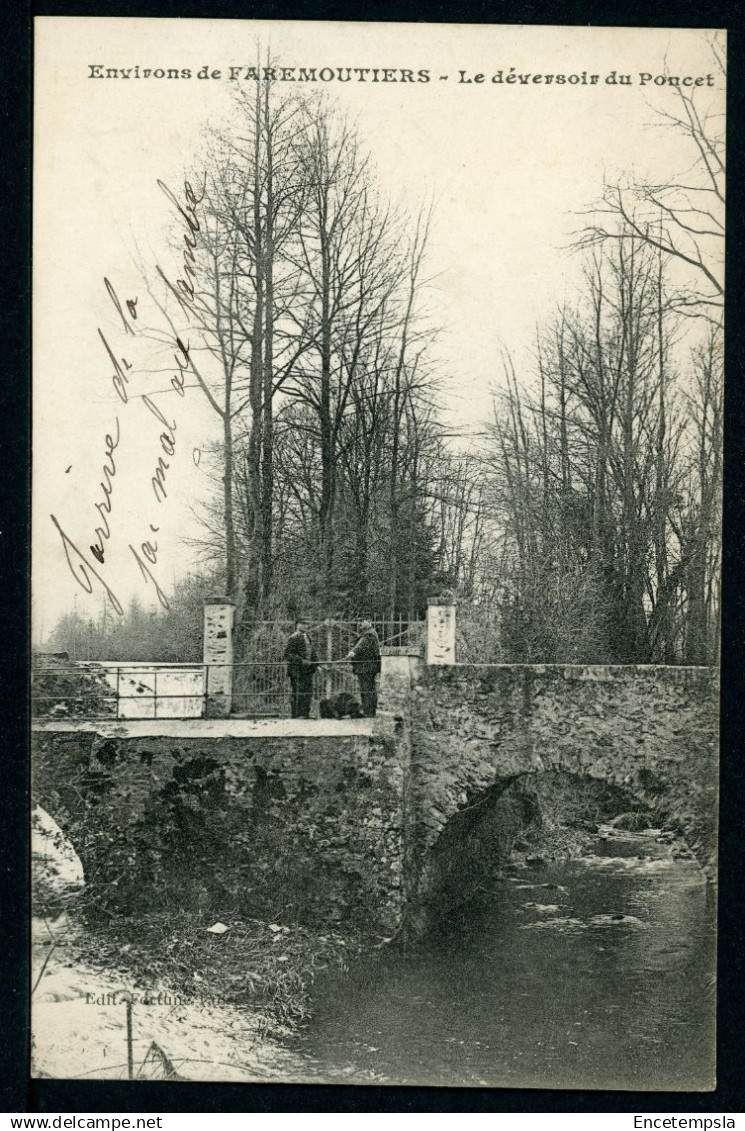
(149, 551)
(83, 571)
(119, 379)
(103, 533)
(189, 214)
(168, 444)
(131, 307)
(145, 553)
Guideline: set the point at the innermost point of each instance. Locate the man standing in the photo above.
(365, 657)
(302, 664)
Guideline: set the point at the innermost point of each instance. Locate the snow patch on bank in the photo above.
(79, 1021)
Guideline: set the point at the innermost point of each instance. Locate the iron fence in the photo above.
(333, 638)
(70, 689)
(263, 689)
(105, 690)
(260, 685)
(137, 691)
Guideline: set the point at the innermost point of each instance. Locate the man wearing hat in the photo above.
(302, 664)
(365, 658)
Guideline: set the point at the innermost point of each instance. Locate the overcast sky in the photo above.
(506, 164)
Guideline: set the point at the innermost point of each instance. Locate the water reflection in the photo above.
(595, 972)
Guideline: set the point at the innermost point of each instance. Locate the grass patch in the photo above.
(267, 967)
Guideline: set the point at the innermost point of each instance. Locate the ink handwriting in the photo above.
(145, 553)
(103, 533)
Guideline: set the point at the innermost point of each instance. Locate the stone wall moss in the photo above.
(294, 829)
(651, 731)
(360, 828)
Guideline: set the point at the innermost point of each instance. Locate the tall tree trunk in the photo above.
(665, 643)
(327, 432)
(254, 585)
(231, 577)
(393, 496)
(267, 458)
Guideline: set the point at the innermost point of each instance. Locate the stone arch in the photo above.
(480, 834)
(57, 870)
(649, 731)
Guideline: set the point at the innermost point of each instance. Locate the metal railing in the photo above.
(106, 690)
(264, 690)
(70, 689)
(178, 691)
(331, 636)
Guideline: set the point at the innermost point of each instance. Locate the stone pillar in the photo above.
(219, 624)
(440, 646)
(395, 683)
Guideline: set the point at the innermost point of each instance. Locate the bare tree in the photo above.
(261, 197)
(352, 258)
(684, 218)
(698, 520)
(242, 283)
(605, 480)
(307, 299)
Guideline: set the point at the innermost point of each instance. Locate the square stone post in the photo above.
(395, 682)
(217, 656)
(440, 644)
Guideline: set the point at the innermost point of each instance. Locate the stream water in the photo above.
(590, 972)
(593, 972)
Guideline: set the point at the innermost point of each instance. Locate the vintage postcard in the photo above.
(376, 552)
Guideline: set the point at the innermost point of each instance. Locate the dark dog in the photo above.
(341, 706)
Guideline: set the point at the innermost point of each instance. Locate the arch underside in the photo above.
(532, 815)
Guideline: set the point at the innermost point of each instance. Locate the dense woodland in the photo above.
(584, 528)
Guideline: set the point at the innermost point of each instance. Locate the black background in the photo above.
(17, 1092)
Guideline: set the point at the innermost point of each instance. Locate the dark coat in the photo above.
(301, 657)
(365, 655)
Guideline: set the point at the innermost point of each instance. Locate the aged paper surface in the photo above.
(415, 326)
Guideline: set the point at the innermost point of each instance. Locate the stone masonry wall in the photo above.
(294, 828)
(650, 730)
(351, 825)
(219, 625)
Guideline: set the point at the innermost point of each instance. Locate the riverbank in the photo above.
(591, 971)
(84, 1028)
(204, 1004)
(218, 996)
(212, 994)
(569, 815)
(268, 968)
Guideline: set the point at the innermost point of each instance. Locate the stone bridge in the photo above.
(371, 821)
(480, 734)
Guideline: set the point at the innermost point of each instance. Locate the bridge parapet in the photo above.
(650, 730)
(337, 820)
(290, 819)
